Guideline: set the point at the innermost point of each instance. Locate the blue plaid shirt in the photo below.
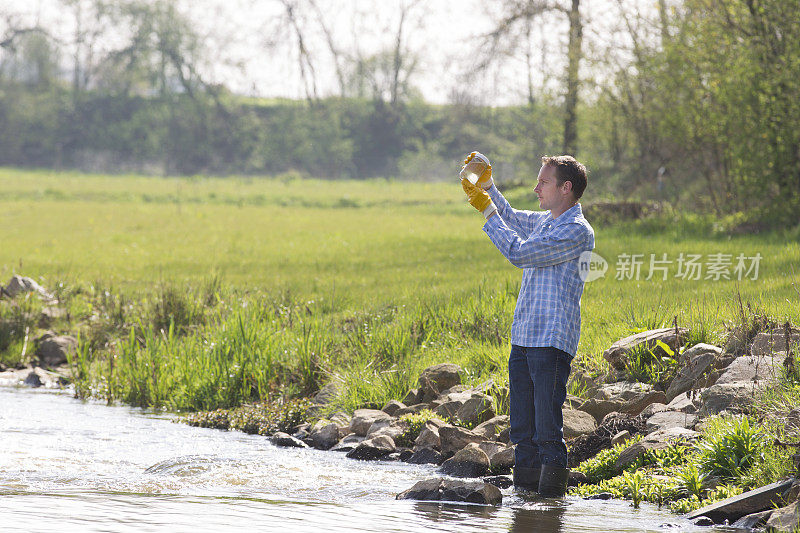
(548, 311)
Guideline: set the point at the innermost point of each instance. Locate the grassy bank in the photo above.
(196, 293)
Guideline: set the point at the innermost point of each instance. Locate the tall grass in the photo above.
(210, 292)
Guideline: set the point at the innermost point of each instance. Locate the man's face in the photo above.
(547, 189)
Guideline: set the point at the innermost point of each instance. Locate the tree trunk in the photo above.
(574, 58)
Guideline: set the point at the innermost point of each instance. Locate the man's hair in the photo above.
(568, 169)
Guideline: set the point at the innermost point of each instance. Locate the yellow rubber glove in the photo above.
(478, 198)
(485, 180)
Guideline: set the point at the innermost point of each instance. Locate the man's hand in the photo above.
(485, 179)
(478, 198)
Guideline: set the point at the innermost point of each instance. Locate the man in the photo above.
(546, 245)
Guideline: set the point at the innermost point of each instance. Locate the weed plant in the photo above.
(731, 447)
(414, 423)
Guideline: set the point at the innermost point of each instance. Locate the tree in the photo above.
(507, 38)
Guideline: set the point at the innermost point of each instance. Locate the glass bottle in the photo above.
(477, 165)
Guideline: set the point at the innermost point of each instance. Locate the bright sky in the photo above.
(443, 34)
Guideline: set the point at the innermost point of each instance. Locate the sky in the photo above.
(252, 52)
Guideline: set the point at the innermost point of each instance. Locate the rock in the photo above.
(752, 521)
(437, 378)
(284, 440)
(456, 389)
(476, 410)
(49, 315)
(428, 437)
(505, 435)
(455, 438)
(576, 478)
(737, 396)
(491, 447)
(374, 448)
(348, 443)
(501, 482)
(657, 440)
(684, 403)
(52, 350)
(768, 342)
(622, 391)
(703, 521)
(412, 409)
(578, 423)
(470, 461)
(364, 418)
(492, 427)
(619, 438)
(403, 455)
(751, 368)
(324, 435)
(302, 432)
(391, 429)
(448, 410)
(19, 284)
(392, 407)
(573, 402)
(626, 402)
(652, 409)
(426, 456)
(438, 489)
(33, 379)
(600, 496)
(341, 419)
(502, 460)
(670, 419)
(735, 507)
(698, 360)
(785, 519)
(617, 353)
(326, 394)
(412, 397)
(736, 342)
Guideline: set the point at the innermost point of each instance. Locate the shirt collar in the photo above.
(567, 216)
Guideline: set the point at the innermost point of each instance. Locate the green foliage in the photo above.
(602, 466)
(260, 419)
(691, 481)
(687, 505)
(634, 487)
(730, 447)
(18, 321)
(414, 423)
(654, 365)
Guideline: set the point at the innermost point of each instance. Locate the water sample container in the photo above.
(477, 165)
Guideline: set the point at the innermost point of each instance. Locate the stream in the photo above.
(67, 464)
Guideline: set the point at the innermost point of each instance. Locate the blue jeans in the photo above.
(538, 379)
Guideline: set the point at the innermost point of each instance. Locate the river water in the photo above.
(67, 464)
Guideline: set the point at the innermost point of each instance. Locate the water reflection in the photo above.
(451, 512)
(542, 517)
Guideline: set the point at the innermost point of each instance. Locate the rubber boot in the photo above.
(553, 481)
(527, 478)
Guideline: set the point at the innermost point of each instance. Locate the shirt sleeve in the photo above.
(564, 243)
(522, 222)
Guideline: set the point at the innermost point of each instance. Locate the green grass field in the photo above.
(361, 282)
